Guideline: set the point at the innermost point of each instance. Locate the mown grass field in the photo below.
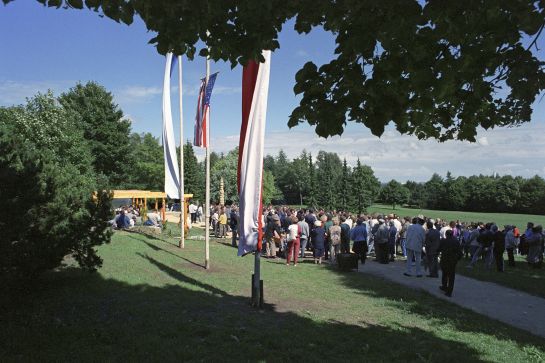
(501, 219)
(521, 277)
(152, 301)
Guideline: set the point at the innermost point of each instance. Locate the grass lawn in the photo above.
(153, 301)
(521, 277)
(501, 219)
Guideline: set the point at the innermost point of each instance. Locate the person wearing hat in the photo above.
(273, 234)
(318, 241)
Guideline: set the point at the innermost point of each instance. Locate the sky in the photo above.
(44, 48)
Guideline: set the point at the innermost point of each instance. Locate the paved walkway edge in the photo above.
(509, 306)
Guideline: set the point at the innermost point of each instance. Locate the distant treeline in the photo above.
(327, 181)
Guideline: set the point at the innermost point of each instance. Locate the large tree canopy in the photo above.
(434, 68)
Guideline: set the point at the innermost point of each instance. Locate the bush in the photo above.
(46, 191)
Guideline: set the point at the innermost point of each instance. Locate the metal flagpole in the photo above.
(182, 199)
(207, 204)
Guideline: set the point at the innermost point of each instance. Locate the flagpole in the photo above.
(182, 199)
(207, 204)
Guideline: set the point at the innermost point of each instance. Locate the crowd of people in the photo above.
(130, 216)
(425, 243)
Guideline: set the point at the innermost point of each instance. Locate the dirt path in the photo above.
(507, 305)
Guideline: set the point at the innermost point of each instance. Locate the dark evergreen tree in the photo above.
(345, 188)
(104, 128)
(394, 193)
(194, 178)
(365, 187)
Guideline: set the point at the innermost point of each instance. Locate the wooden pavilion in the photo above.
(140, 198)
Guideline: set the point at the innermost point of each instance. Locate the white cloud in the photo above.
(137, 93)
(15, 92)
(514, 151)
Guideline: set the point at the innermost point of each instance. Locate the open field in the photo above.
(501, 219)
(153, 301)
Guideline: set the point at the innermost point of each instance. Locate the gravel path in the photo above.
(487, 298)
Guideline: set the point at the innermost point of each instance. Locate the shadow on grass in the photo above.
(74, 316)
(157, 248)
(430, 307)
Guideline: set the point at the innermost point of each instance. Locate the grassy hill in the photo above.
(154, 302)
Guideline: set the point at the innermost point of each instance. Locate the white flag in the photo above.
(255, 89)
(172, 177)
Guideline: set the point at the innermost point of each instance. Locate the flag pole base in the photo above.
(256, 300)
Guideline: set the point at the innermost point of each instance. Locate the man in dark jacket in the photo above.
(233, 223)
(499, 246)
(431, 244)
(345, 236)
(451, 252)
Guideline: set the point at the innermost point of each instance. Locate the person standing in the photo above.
(359, 235)
(345, 236)
(451, 252)
(199, 213)
(326, 223)
(535, 247)
(392, 237)
(416, 236)
(476, 243)
(193, 212)
(510, 245)
(233, 223)
(294, 233)
(222, 223)
(272, 234)
(499, 247)
(334, 234)
(431, 244)
(381, 241)
(318, 241)
(305, 233)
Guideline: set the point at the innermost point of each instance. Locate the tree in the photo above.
(532, 193)
(312, 201)
(103, 127)
(147, 172)
(365, 188)
(345, 187)
(193, 174)
(270, 191)
(435, 191)
(226, 168)
(455, 193)
(418, 196)
(442, 68)
(394, 193)
(507, 194)
(47, 184)
(300, 171)
(328, 172)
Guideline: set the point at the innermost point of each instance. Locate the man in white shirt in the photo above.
(193, 212)
(443, 230)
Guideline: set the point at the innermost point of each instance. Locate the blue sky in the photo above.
(46, 48)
